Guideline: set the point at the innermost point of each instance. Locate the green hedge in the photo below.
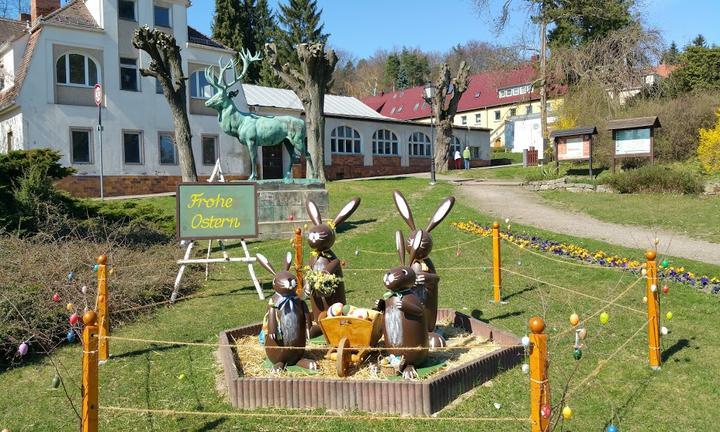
(656, 178)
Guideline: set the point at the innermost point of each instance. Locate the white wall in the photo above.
(11, 121)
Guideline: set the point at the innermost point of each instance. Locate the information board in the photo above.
(573, 148)
(633, 142)
(216, 211)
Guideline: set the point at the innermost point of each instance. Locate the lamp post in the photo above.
(429, 95)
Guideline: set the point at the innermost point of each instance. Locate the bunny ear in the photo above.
(288, 261)
(404, 209)
(441, 212)
(313, 212)
(415, 245)
(346, 211)
(400, 245)
(265, 263)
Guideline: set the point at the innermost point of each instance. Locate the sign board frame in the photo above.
(650, 123)
(585, 133)
(178, 212)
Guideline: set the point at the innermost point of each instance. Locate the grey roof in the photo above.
(286, 99)
(632, 123)
(10, 29)
(589, 130)
(197, 37)
(74, 14)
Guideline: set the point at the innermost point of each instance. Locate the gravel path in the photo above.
(525, 207)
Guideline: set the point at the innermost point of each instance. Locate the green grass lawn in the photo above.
(681, 397)
(694, 216)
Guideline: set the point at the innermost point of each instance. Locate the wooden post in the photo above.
(89, 389)
(653, 310)
(497, 277)
(590, 149)
(539, 385)
(101, 306)
(299, 260)
(557, 161)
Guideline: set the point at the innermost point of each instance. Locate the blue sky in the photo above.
(364, 26)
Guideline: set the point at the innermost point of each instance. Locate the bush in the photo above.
(709, 148)
(656, 178)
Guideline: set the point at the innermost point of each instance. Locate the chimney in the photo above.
(40, 8)
(25, 17)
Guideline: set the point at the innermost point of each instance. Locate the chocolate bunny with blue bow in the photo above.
(288, 320)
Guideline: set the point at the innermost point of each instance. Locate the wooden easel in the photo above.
(217, 174)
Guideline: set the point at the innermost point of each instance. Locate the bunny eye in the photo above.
(314, 236)
(293, 283)
(405, 272)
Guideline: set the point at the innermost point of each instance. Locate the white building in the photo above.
(51, 60)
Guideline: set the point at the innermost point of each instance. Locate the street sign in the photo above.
(98, 94)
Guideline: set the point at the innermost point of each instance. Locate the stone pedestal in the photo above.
(281, 207)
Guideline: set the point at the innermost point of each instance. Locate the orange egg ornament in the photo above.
(574, 319)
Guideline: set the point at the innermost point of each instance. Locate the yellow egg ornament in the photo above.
(567, 413)
(669, 315)
(644, 299)
(70, 307)
(604, 318)
(574, 319)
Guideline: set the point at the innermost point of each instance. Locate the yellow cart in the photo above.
(350, 337)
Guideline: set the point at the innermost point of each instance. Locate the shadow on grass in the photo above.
(522, 291)
(351, 225)
(478, 315)
(585, 171)
(675, 348)
(144, 351)
(211, 425)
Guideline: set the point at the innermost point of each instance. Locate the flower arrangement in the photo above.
(320, 282)
(579, 253)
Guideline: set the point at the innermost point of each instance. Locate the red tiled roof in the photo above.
(7, 97)
(482, 92)
(664, 70)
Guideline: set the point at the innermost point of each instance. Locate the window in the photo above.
(463, 120)
(209, 149)
(385, 142)
(417, 105)
(76, 70)
(344, 139)
(478, 118)
(9, 139)
(455, 146)
(475, 152)
(513, 112)
(419, 145)
(128, 74)
(497, 115)
(162, 16)
(132, 147)
(166, 144)
(126, 10)
(80, 146)
(528, 109)
(199, 87)
(514, 91)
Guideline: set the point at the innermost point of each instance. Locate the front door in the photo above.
(272, 162)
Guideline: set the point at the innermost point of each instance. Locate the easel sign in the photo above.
(633, 138)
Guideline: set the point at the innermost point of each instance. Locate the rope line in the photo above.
(372, 252)
(308, 416)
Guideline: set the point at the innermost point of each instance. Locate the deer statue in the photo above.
(253, 130)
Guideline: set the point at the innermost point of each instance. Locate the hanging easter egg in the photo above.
(96, 267)
(519, 263)
(507, 220)
(644, 299)
(653, 287)
(664, 330)
(84, 289)
(665, 263)
(457, 252)
(70, 336)
(669, 315)
(582, 333)
(577, 353)
(291, 217)
(357, 251)
(181, 376)
(567, 413)
(525, 368)
(665, 289)
(69, 307)
(604, 318)
(23, 349)
(343, 263)
(56, 297)
(56, 382)
(111, 272)
(336, 309)
(73, 319)
(545, 411)
(70, 276)
(644, 272)
(612, 428)
(574, 319)
(525, 341)
(484, 269)
(497, 405)
(656, 241)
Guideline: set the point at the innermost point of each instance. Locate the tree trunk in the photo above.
(315, 125)
(543, 84)
(183, 142)
(443, 138)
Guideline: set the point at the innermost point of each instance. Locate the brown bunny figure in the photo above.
(404, 325)
(427, 279)
(288, 320)
(321, 238)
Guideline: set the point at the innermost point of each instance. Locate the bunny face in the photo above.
(426, 244)
(285, 283)
(321, 237)
(399, 278)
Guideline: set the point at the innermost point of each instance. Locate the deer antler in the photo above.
(247, 58)
(219, 81)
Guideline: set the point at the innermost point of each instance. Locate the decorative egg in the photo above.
(84, 289)
(537, 325)
(348, 309)
(70, 336)
(111, 272)
(656, 241)
(644, 299)
(457, 252)
(582, 333)
(23, 349)
(567, 413)
(95, 267)
(497, 405)
(343, 263)
(336, 309)
(665, 289)
(664, 330)
(612, 428)
(669, 315)
(357, 252)
(577, 353)
(653, 287)
(56, 382)
(604, 318)
(181, 376)
(525, 368)
(644, 272)
(291, 217)
(70, 276)
(56, 297)
(360, 313)
(525, 341)
(507, 220)
(69, 307)
(73, 319)
(574, 319)
(665, 263)
(545, 411)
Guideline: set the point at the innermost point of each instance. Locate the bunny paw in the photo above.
(409, 372)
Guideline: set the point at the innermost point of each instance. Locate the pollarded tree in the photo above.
(299, 23)
(166, 67)
(310, 81)
(448, 91)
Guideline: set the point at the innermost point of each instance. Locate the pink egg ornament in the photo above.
(73, 319)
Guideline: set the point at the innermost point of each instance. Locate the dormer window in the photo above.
(162, 16)
(126, 10)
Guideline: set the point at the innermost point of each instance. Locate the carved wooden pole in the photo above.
(101, 306)
(299, 260)
(539, 385)
(653, 310)
(497, 276)
(89, 389)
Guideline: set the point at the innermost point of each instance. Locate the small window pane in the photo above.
(80, 146)
(60, 70)
(162, 16)
(126, 9)
(131, 144)
(92, 73)
(128, 74)
(77, 69)
(167, 150)
(209, 150)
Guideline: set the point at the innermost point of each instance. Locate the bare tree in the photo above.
(310, 83)
(166, 67)
(448, 91)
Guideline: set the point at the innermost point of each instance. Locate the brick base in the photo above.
(89, 186)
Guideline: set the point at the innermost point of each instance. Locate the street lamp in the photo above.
(429, 96)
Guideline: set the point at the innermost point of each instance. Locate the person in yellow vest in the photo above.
(466, 157)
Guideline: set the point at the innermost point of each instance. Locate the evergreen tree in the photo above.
(671, 55)
(392, 71)
(299, 22)
(699, 41)
(228, 23)
(402, 81)
(580, 21)
(415, 67)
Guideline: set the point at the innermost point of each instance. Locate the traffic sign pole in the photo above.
(98, 102)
